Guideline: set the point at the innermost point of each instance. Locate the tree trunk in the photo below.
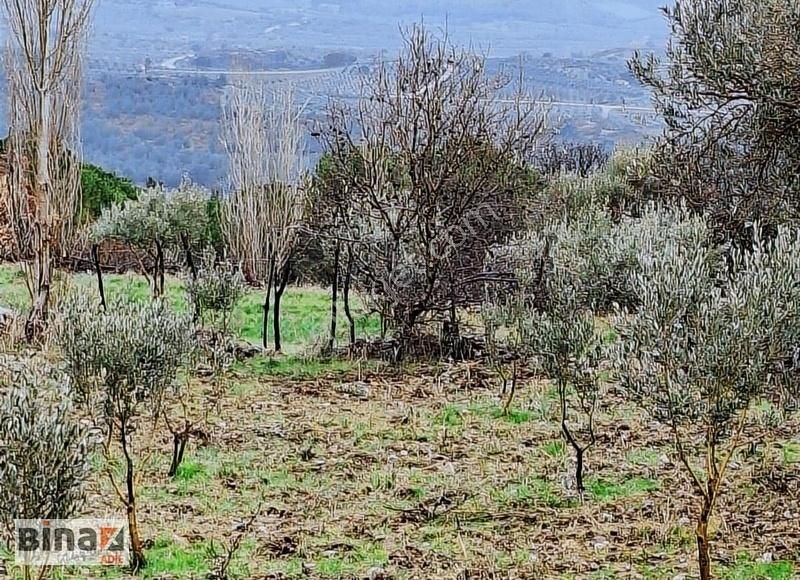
(453, 333)
(265, 318)
(179, 442)
(138, 560)
(579, 469)
(42, 280)
(579, 451)
(348, 276)
(187, 249)
(42, 258)
(158, 274)
(280, 286)
(334, 296)
(703, 546)
(100, 288)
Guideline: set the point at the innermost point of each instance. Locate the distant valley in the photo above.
(157, 69)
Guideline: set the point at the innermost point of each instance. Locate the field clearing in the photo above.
(359, 470)
(306, 310)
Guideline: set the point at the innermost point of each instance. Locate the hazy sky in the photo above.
(505, 26)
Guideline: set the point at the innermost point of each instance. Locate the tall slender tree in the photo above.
(263, 137)
(46, 44)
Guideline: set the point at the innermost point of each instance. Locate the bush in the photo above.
(601, 253)
(44, 458)
(216, 290)
(122, 361)
(622, 186)
(101, 189)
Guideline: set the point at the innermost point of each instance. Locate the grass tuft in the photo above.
(605, 490)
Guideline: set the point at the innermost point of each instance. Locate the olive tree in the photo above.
(548, 315)
(157, 222)
(44, 458)
(122, 362)
(709, 337)
(213, 290)
(727, 88)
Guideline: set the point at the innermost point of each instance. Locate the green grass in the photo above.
(530, 491)
(305, 317)
(604, 490)
(190, 471)
(305, 311)
(451, 416)
(13, 292)
(513, 416)
(746, 569)
(791, 452)
(555, 449)
(166, 557)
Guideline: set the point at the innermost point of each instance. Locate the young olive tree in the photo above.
(159, 221)
(548, 315)
(44, 459)
(566, 346)
(215, 293)
(213, 289)
(431, 159)
(122, 362)
(46, 45)
(706, 341)
(263, 137)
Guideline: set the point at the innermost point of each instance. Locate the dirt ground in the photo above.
(419, 474)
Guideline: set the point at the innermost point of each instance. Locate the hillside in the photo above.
(129, 30)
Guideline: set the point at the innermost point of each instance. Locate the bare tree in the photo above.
(431, 159)
(46, 43)
(581, 158)
(263, 137)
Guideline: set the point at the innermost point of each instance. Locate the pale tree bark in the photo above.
(263, 137)
(46, 43)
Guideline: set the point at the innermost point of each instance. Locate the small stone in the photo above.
(599, 543)
(376, 573)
